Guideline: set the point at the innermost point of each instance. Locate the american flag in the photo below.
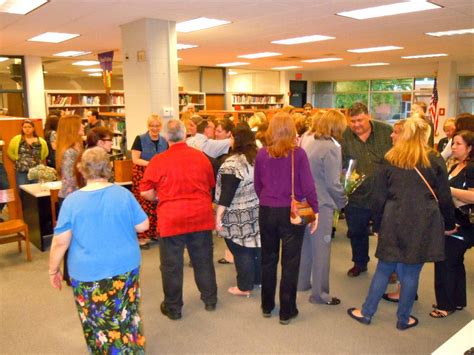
(433, 108)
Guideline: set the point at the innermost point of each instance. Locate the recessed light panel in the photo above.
(232, 64)
(2, 59)
(368, 64)
(287, 67)
(200, 23)
(70, 54)
(20, 7)
(304, 39)
(425, 56)
(451, 33)
(53, 37)
(259, 55)
(374, 49)
(86, 62)
(321, 60)
(95, 74)
(181, 46)
(92, 70)
(231, 72)
(390, 10)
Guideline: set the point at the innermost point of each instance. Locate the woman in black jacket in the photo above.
(412, 212)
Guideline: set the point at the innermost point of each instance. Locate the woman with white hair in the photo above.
(105, 284)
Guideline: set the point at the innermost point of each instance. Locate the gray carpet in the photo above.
(36, 319)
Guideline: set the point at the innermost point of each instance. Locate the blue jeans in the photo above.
(200, 249)
(408, 274)
(247, 264)
(358, 231)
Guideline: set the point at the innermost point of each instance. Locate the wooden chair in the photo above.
(15, 229)
(53, 194)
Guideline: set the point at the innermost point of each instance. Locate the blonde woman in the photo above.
(410, 221)
(144, 148)
(272, 182)
(325, 158)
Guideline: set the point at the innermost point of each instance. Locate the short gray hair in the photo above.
(95, 164)
(175, 131)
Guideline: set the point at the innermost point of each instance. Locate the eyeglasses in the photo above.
(106, 140)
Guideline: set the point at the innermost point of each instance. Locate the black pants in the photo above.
(450, 276)
(200, 249)
(275, 226)
(248, 265)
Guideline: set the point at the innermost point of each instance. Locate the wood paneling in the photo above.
(215, 101)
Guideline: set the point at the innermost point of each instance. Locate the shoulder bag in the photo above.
(301, 212)
(426, 183)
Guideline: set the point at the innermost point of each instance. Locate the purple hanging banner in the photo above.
(106, 60)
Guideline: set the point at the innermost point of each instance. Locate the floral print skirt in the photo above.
(148, 206)
(108, 310)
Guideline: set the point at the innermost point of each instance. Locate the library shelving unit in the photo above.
(78, 102)
(195, 97)
(246, 101)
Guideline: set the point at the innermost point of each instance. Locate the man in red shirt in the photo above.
(181, 180)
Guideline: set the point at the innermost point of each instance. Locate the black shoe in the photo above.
(363, 319)
(210, 307)
(145, 246)
(403, 326)
(334, 301)
(223, 261)
(286, 320)
(356, 270)
(266, 314)
(386, 297)
(168, 313)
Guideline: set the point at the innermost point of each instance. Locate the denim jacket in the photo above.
(149, 148)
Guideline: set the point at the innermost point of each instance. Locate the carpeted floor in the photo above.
(36, 319)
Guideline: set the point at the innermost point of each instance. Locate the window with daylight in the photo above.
(465, 94)
(387, 99)
(12, 83)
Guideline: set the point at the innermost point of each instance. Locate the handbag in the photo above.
(301, 212)
(426, 183)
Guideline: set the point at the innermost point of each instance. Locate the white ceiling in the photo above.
(255, 23)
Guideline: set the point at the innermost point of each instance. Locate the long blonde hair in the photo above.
(332, 123)
(281, 135)
(68, 137)
(411, 148)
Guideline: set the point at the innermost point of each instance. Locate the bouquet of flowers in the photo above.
(351, 179)
(42, 173)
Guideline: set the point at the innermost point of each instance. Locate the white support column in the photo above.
(35, 87)
(447, 77)
(150, 73)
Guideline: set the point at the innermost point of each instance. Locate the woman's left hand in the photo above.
(219, 225)
(314, 224)
(56, 280)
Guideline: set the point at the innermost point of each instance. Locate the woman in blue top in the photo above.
(145, 147)
(105, 284)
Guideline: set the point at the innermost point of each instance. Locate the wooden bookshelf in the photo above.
(247, 101)
(195, 97)
(115, 121)
(74, 102)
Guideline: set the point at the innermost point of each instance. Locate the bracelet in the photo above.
(53, 273)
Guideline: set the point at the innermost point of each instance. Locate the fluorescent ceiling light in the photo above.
(452, 32)
(231, 72)
(389, 10)
(70, 54)
(287, 68)
(321, 60)
(21, 7)
(2, 59)
(374, 49)
(95, 74)
(304, 39)
(368, 64)
(180, 46)
(425, 56)
(86, 62)
(179, 59)
(53, 37)
(232, 64)
(92, 70)
(259, 55)
(200, 23)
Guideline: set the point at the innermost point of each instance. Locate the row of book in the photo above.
(246, 99)
(59, 100)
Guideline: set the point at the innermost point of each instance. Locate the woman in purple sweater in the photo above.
(272, 181)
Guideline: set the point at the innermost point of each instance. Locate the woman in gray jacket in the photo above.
(324, 155)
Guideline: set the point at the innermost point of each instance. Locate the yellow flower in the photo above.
(125, 339)
(131, 294)
(118, 284)
(113, 334)
(141, 340)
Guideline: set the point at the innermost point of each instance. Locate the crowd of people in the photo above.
(204, 174)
